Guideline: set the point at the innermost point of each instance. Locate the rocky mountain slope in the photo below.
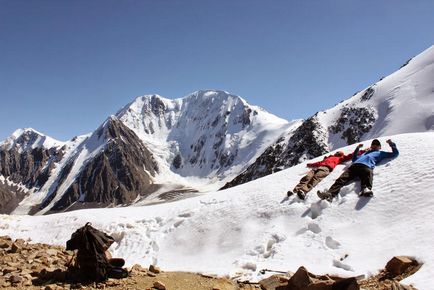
(108, 167)
(402, 102)
(154, 149)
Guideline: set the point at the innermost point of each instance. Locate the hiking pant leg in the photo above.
(345, 177)
(366, 176)
(321, 173)
(302, 184)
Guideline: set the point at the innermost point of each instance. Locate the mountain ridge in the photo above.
(402, 102)
(188, 144)
(204, 141)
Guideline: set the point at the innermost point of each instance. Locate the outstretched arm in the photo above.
(392, 154)
(356, 151)
(346, 158)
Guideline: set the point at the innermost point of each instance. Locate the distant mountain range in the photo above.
(156, 149)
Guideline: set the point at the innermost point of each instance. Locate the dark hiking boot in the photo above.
(301, 194)
(289, 193)
(366, 192)
(117, 273)
(117, 262)
(325, 195)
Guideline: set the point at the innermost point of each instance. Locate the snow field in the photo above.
(244, 229)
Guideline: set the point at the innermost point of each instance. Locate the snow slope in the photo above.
(244, 229)
(402, 102)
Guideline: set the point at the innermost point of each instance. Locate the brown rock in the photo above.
(52, 252)
(398, 286)
(9, 270)
(303, 280)
(154, 269)
(15, 248)
(4, 244)
(398, 265)
(13, 264)
(6, 284)
(347, 284)
(112, 282)
(275, 282)
(150, 274)
(20, 242)
(159, 285)
(15, 279)
(137, 269)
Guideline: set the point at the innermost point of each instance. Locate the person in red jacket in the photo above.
(319, 171)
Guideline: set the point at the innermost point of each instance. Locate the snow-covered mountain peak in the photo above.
(205, 134)
(28, 138)
(212, 96)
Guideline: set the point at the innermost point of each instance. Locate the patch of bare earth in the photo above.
(39, 266)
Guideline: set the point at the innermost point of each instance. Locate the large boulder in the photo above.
(304, 280)
(399, 264)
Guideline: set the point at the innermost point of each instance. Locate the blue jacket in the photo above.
(372, 157)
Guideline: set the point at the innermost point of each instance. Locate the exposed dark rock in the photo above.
(66, 170)
(29, 167)
(116, 175)
(353, 123)
(244, 119)
(407, 62)
(22, 164)
(157, 106)
(399, 264)
(177, 161)
(307, 142)
(367, 95)
(10, 197)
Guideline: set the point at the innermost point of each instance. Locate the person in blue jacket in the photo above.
(362, 168)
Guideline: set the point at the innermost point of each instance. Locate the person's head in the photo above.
(339, 154)
(375, 145)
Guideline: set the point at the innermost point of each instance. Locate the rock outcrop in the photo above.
(25, 164)
(10, 196)
(118, 174)
(306, 142)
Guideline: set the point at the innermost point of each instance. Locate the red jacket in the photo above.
(332, 161)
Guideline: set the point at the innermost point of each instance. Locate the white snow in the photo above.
(28, 138)
(403, 102)
(247, 228)
(172, 127)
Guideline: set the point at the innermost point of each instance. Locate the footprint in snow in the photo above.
(316, 208)
(331, 243)
(314, 228)
(186, 214)
(339, 264)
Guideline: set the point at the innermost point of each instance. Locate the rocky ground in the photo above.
(24, 265)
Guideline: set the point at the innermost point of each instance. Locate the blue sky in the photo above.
(65, 66)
